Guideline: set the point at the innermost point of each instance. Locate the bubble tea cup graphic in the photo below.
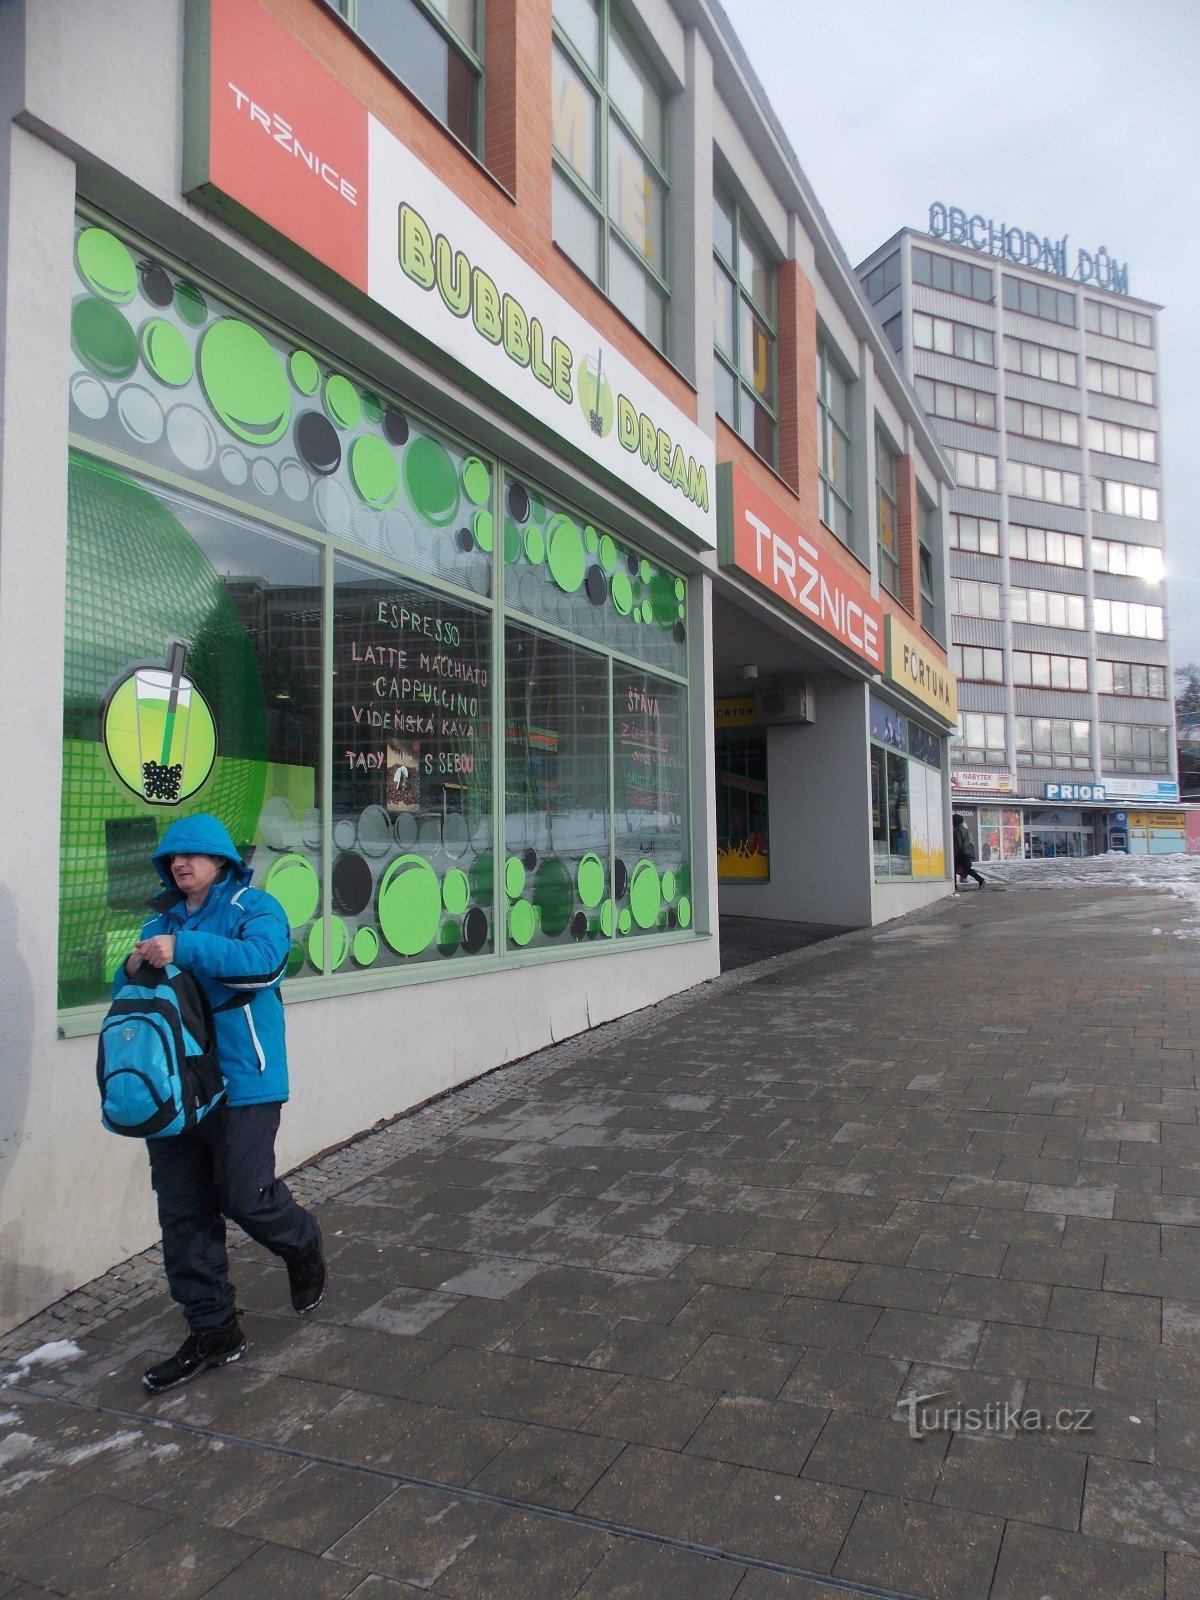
(159, 732)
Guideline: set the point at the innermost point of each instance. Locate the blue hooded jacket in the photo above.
(237, 945)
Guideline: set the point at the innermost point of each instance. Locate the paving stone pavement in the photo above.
(655, 1313)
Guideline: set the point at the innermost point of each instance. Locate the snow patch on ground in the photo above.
(55, 1354)
(1177, 875)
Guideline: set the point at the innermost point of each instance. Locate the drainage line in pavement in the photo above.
(481, 1496)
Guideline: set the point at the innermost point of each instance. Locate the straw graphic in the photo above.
(176, 662)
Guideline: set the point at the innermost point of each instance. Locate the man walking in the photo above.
(235, 941)
(964, 852)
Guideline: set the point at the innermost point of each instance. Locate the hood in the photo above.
(203, 835)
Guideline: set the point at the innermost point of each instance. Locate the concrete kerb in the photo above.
(333, 1171)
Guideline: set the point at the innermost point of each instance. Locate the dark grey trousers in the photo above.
(224, 1167)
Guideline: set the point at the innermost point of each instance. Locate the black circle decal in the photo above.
(395, 426)
(352, 884)
(474, 931)
(317, 442)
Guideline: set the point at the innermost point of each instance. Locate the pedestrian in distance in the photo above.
(964, 853)
(235, 942)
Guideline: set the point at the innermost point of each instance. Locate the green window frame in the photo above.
(270, 434)
(744, 329)
(611, 193)
(835, 441)
(409, 36)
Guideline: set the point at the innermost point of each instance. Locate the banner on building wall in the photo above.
(1118, 786)
(971, 780)
(913, 667)
(273, 137)
(761, 541)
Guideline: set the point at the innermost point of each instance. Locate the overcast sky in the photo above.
(1059, 117)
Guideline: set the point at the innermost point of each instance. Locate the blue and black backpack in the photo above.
(157, 1061)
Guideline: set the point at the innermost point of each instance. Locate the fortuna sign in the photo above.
(1027, 249)
(763, 542)
(912, 666)
(274, 138)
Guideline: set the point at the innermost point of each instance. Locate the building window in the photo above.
(887, 492)
(979, 739)
(1129, 619)
(962, 278)
(1132, 747)
(1032, 669)
(893, 332)
(1045, 544)
(969, 598)
(1044, 483)
(744, 329)
(1039, 300)
(881, 280)
(743, 814)
(295, 626)
(833, 429)
(1135, 444)
(610, 162)
(907, 819)
(1143, 561)
(1041, 422)
(927, 537)
(1040, 361)
(948, 338)
(1054, 742)
(979, 534)
(1125, 499)
(974, 471)
(1115, 323)
(975, 665)
(956, 404)
(1121, 383)
(1048, 608)
(435, 48)
(1131, 678)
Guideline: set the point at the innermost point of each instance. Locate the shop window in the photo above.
(833, 432)
(744, 328)
(907, 816)
(285, 614)
(435, 48)
(610, 162)
(743, 816)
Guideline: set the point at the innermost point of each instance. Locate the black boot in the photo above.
(203, 1348)
(306, 1277)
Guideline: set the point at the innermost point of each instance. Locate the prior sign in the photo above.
(1073, 791)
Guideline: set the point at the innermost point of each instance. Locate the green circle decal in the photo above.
(374, 470)
(480, 871)
(160, 735)
(102, 339)
(481, 527)
(554, 896)
(245, 382)
(685, 911)
(624, 921)
(608, 552)
(431, 479)
(564, 553)
(680, 589)
(167, 353)
(512, 541)
(449, 938)
(106, 265)
(535, 546)
(521, 923)
(589, 880)
(595, 396)
(365, 947)
(668, 885)
(662, 598)
(622, 593)
(645, 894)
(372, 407)
(410, 904)
(189, 303)
(295, 959)
(306, 374)
(456, 892)
(606, 919)
(294, 883)
(514, 877)
(684, 878)
(591, 540)
(339, 943)
(476, 481)
(342, 402)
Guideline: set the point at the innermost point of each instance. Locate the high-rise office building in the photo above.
(1042, 380)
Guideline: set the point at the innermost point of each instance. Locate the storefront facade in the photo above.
(336, 500)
